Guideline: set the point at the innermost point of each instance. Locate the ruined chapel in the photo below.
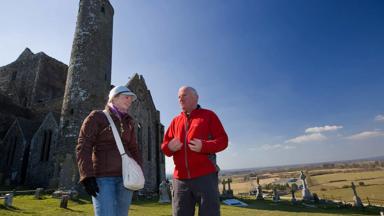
(44, 101)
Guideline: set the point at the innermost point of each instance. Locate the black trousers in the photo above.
(202, 191)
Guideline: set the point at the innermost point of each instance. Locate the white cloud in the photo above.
(271, 147)
(366, 135)
(323, 129)
(268, 147)
(379, 118)
(307, 138)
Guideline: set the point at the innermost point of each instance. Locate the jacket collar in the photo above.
(193, 111)
(115, 115)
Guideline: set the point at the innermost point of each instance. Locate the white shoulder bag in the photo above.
(133, 176)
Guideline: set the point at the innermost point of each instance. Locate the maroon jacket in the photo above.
(96, 150)
(201, 124)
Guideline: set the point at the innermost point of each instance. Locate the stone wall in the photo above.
(89, 75)
(12, 154)
(149, 132)
(41, 160)
(33, 78)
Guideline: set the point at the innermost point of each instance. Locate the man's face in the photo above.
(187, 100)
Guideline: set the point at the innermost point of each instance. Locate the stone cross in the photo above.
(305, 191)
(224, 182)
(64, 201)
(229, 183)
(38, 193)
(259, 190)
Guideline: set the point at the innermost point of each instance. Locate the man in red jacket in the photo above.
(193, 138)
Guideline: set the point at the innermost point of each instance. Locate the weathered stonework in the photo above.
(149, 131)
(42, 107)
(29, 128)
(89, 75)
(33, 78)
(41, 158)
(16, 142)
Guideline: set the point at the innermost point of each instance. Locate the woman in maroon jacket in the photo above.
(98, 157)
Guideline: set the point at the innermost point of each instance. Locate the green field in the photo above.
(332, 184)
(337, 185)
(27, 205)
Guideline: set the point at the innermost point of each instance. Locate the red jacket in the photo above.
(201, 124)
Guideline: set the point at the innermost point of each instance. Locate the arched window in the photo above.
(46, 144)
(139, 136)
(11, 150)
(149, 144)
(14, 75)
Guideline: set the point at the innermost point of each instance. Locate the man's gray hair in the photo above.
(189, 88)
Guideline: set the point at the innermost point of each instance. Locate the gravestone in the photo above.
(39, 193)
(8, 199)
(164, 192)
(356, 198)
(64, 201)
(276, 196)
(307, 196)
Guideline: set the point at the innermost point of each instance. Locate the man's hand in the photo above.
(195, 145)
(175, 145)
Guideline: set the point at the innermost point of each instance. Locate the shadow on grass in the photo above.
(287, 206)
(71, 210)
(10, 208)
(83, 199)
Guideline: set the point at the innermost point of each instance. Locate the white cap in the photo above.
(121, 90)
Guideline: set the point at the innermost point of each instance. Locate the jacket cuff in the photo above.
(167, 151)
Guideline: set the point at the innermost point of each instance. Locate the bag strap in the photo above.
(115, 133)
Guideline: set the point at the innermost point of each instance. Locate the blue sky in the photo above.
(293, 81)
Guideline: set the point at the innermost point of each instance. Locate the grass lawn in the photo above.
(27, 205)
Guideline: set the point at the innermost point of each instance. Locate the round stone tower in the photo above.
(88, 81)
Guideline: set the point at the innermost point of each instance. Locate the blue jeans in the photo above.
(113, 198)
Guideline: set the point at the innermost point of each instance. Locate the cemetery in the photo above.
(300, 198)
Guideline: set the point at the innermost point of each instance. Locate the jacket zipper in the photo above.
(185, 147)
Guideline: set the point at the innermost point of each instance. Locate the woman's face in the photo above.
(122, 102)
